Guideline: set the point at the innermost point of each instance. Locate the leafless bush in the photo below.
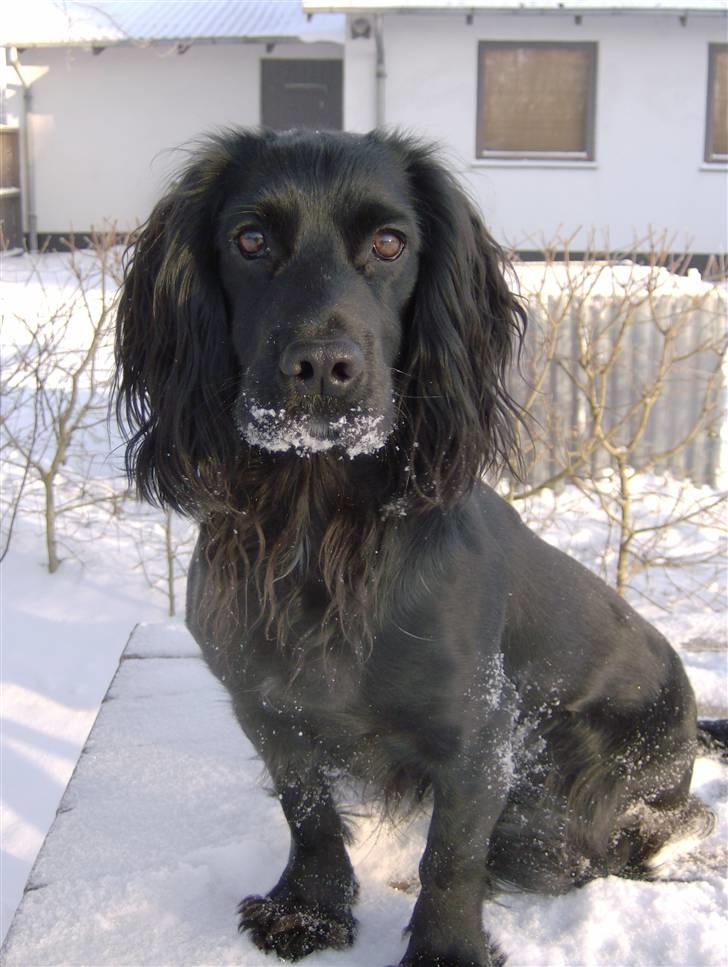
(60, 463)
(624, 378)
(55, 388)
(163, 546)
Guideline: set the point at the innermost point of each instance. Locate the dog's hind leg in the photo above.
(604, 796)
(650, 836)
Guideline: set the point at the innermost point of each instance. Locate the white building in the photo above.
(563, 117)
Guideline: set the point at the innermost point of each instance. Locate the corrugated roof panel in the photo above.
(80, 22)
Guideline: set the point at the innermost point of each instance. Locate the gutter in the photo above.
(381, 73)
(468, 7)
(28, 168)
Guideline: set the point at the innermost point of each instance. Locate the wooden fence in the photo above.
(626, 362)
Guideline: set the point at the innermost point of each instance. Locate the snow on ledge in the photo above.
(161, 641)
(166, 825)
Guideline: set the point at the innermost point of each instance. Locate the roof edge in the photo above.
(688, 8)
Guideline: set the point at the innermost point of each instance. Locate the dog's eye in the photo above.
(251, 242)
(388, 245)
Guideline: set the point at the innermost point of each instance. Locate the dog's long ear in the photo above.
(465, 328)
(173, 359)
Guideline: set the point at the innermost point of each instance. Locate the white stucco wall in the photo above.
(105, 128)
(648, 171)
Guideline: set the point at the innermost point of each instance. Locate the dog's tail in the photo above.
(713, 737)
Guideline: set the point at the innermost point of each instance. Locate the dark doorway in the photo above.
(302, 94)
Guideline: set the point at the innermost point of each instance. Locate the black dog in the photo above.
(314, 335)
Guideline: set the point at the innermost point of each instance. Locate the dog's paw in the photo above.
(292, 928)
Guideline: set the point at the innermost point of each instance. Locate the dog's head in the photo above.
(316, 293)
(317, 245)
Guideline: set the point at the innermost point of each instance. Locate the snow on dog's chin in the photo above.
(356, 432)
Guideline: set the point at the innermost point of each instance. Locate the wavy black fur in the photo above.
(326, 412)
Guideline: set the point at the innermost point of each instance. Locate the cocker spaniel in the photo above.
(314, 339)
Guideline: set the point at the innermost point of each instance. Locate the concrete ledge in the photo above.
(165, 826)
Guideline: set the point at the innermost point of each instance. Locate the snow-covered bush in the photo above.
(623, 382)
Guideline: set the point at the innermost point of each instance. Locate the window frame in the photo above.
(588, 155)
(708, 156)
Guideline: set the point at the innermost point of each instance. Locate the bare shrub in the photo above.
(623, 370)
(624, 378)
(56, 383)
(163, 542)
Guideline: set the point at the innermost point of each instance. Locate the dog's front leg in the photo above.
(310, 906)
(469, 796)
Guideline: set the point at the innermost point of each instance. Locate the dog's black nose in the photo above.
(325, 367)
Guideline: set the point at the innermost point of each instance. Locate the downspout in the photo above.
(28, 171)
(381, 70)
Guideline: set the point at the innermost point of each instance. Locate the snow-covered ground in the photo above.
(62, 636)
(166, 825)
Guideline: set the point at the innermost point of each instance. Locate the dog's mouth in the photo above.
(356, 432)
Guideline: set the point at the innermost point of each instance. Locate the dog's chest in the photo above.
(372, 719)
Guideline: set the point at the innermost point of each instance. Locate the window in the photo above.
(716, 128)
(303, 93)
(536, 100)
